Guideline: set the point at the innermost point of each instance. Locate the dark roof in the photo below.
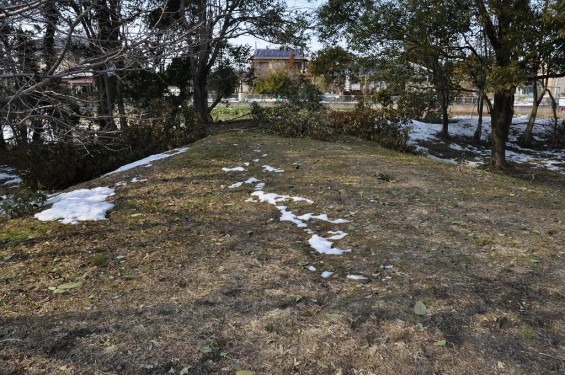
(278, 54)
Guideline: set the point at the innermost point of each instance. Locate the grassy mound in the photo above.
(187, 275)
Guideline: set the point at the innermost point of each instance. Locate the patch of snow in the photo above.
(322, 217)
(14, 181)
(265, 155)
(327, 274)
(268, 168)
(78, 205)
(135, 179)
(148, 160)
(336, 235)
(251, 180)
(6, 174)
(274, 198)
(246, 164)
(121, 183)
(356, 277)
(234, 169)
(256, 160)
(465, 126)
(324, 246)
(289, 216)
(311, 268)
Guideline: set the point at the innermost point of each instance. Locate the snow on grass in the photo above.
(14, 181)
(148, 160)
(7, 177)
(289, 216)
(336, 235)
(135, 179)
(325, 246)
(322, 217)
(233, 169)
(274, 199)
(268, 168)
(326, 274)
(462, 131)
(357, 277)
(311, 268)
(78, 205)
(251, 180)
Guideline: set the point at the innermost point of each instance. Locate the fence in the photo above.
(519, 99)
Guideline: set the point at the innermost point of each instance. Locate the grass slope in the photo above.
(187, 275)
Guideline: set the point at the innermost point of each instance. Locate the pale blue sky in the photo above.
(303, 5)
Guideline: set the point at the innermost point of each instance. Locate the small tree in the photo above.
(334, 64)
(276, 83)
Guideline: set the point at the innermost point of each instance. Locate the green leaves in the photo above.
(440, 343)
(420, 308)
(64, 288)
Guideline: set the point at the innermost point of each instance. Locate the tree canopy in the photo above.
(503, 38)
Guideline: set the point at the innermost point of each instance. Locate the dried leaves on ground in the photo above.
(462, 270)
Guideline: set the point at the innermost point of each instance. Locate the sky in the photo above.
(300, 5)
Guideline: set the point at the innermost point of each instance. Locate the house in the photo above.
(266, 61)
(80, 82)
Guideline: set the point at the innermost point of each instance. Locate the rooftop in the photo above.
(278, 54)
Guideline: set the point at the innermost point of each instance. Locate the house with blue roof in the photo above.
(267, 61)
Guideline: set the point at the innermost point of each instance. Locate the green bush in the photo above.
(58, 165)
(293, 121)
(385, 126)
(419, 105)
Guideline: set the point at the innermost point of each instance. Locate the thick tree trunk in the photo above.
(501, 119)
(200, 100)
(479, 130)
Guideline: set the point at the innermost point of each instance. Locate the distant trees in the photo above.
(334, 64)
(45, 44)
(208, 26)
(442, 35)
(130, 55)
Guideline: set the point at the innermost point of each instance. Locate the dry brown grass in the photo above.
(214, 284)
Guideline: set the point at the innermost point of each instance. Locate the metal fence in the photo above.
(519, 99)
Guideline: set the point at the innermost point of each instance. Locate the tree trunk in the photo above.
(121, 107)
(527, 136)
(444, 104)
(555, 118)
(37, 128)
(2, 140)
(479, 130)
(501, 119)
(200, 100)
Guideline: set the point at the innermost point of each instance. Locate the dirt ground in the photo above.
(186, 277)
